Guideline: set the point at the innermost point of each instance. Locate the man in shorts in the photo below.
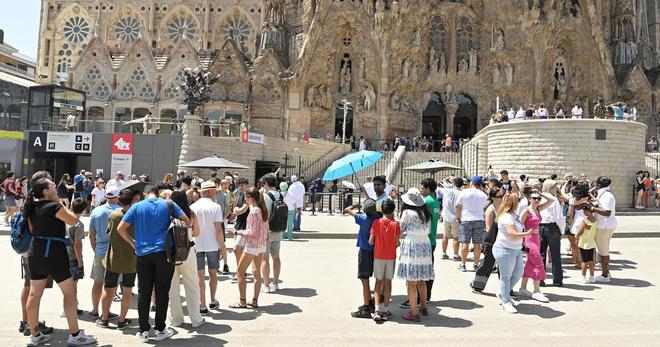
(449, 194)
(119, 260)
(365, 253)
(274, 240)
(607, 224)
(470, 216)
(209, 243)
(100, 240)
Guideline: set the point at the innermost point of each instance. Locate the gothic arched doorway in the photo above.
(465, 122)
(434, 118)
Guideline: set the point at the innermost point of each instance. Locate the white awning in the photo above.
(17, 80)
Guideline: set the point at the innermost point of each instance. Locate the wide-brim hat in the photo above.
(208, 185)
(413, 197)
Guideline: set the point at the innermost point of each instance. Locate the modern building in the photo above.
(407, 67)
(16, 77)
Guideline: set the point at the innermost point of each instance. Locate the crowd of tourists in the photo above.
(616, 111)
(517, 226)
(158, 235)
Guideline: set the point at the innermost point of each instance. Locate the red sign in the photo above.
(245, 137)
(122, 144)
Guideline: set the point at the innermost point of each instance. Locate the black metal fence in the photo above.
(652, 165)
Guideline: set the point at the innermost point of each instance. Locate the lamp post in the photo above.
(346, 105)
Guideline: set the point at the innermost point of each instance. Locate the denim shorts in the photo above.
(210, 258)
(472, 231)
(77, 273)
(10, 201)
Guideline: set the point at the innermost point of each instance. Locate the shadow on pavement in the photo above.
(195, 340)
(237, 314)
(629, 282)
(280, 309)
(583, 287)
(538, 310)
(456, 304)
(622, 264)
(297, 292)
(566, 298)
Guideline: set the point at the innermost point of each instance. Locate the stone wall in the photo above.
(543, 147)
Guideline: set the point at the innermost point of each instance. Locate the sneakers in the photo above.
(225, 270)
(274, 287)
(143, 337)
(203, 310)
(125, 324)
(42, 328)
(424, 311)
(234, 279)
(411, 317)
(538, 296)
(592, 279)
(362, 312)
(164, 334)
(603, 279)
(102, 323)
(508, 307)
(81, 339)
(445, 257)
(22, 326)
(385, 316)
(462, 268)
(377, 316)
(456, 257)
(475, 267)
(524, 292)
(214, 305)
(200, 324)
(265, 289)
(39, 339)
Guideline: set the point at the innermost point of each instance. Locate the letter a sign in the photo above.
(37, 141)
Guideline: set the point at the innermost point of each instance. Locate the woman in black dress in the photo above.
(48, 256)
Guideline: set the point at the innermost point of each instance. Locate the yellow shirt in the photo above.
(588, 237)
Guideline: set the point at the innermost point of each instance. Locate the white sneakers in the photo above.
(81, 339)
(265, 289)
(37, 340)
(538, 296)
(592, 279)
(164, 335)
(274, 287)
(143, 336)
(508, 307)
(603, 279)
(581, 280)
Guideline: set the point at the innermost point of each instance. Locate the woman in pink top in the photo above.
(256, 237)
(534, 267)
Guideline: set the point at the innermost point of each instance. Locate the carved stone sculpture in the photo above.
(394, 101)
(442, 64)
(312, 97)
(433, 62)
(330, 66)
(369, 95)
(498, 40)
(473, 61)
(496, 73)
(405, 69)
(508, 73)
(577, 78)
(345, 85)
(462, 66)
(362, 67)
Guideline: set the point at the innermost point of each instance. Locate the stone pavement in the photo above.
(319, 289)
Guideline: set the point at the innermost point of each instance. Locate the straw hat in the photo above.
(413, 197)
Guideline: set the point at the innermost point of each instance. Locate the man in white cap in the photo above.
(118, 182)
(298, 191)
(100, 240)
(209, 243)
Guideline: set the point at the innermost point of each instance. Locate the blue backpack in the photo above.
(20, 235)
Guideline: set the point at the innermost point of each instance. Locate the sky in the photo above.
(20, 21)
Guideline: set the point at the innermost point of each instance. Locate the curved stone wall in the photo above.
(543, 147)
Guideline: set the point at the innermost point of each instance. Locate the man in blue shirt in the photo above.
(618, 110)
(78, 181)
(151, 220)
(100, 240)
(365, 253)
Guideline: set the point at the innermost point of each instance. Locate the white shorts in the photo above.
(239, 241)
(255, 251)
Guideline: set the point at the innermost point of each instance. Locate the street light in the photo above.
(346, 105)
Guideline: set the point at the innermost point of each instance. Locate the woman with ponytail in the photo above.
(48, 256)
(256, 237)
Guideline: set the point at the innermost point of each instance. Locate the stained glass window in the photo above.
(76, 29)
(181, 27)
(127, 29)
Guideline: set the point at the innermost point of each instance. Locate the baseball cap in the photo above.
(112, 192)
(369, 207)
(476, 180)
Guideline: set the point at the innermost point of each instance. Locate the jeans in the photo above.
(510, 264)
(429, 283)
(296, 220)
(187, 270)
(551, 237)
(289, 224)
(154, 273)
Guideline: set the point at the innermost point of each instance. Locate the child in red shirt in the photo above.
(385, 234)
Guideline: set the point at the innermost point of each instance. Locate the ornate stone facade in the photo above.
(408, 67)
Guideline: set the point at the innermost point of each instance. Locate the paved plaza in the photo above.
(319, 290)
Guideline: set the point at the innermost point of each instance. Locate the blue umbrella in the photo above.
(350, 164)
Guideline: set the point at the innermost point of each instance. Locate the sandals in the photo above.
(253, 304)
(240, 304)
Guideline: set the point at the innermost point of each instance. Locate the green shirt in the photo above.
(121, 256)
(432, 204)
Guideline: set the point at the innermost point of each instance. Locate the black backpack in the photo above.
(178, 252)
(279, 214)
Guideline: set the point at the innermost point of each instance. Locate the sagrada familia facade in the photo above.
(407, 67)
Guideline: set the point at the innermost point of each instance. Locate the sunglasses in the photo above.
(537, 199)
